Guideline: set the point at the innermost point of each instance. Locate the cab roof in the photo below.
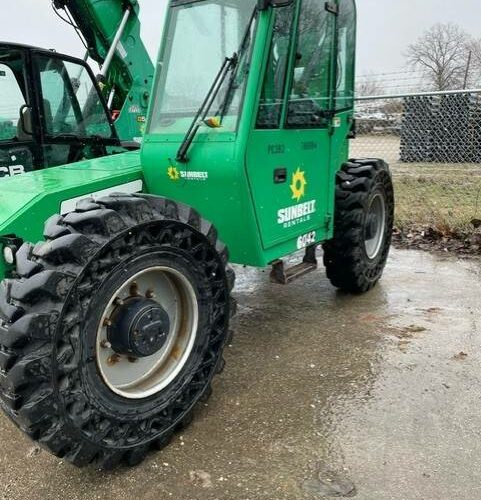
(25, 47)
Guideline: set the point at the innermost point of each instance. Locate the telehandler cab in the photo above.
(114, 326)
(52, 112)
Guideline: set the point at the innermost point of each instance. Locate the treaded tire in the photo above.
(347, 262)
(49, 384)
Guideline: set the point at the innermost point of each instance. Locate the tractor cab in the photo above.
(251, 115)
(51, 111)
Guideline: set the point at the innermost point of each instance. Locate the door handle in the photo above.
(280, 175)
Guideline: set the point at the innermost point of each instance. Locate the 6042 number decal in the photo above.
(306, 240)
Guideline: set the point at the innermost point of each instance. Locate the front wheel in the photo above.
(356, 257)
(114, 328)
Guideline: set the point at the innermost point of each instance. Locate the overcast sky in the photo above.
(386, 27)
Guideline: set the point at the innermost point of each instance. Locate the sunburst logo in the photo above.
(298, 186)
(173, 173)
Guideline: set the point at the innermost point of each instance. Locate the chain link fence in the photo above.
(432, 142)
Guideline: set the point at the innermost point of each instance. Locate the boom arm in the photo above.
(111, 31)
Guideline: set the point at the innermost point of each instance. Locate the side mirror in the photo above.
(25, 122)
(265, 4)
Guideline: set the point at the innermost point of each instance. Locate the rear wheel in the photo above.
(355, 258)
(114, 328)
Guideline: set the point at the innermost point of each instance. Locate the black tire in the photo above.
(348, 265)
(50, 385)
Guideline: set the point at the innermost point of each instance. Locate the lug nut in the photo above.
(119, 302)
(150, 294)
(105, 344)
(113, 360)
(134, 289)
(107, 322)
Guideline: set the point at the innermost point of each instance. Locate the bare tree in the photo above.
(442, 53)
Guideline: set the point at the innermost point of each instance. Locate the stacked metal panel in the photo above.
(417, 129)
(441, 129)
(474, 129)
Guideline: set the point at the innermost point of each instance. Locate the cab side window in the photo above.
(71, 104)
(10, 105)
(60, 108)
(272, 97)
(309, 95)
(346, 42)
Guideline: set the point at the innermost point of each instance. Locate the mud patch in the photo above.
(406, 335)
(438, 239)
(461, 356)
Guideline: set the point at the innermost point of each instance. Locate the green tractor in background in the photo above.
(113, 327)
(54, 111)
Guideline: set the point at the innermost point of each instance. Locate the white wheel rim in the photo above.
(375, 228)
(143, 377)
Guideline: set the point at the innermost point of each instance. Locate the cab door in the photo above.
(288, 155)
(74, 122)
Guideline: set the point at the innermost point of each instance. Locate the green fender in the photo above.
(27, 201)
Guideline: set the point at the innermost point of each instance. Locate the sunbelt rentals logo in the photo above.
(175, 174)
(301, 212)
(298, 185)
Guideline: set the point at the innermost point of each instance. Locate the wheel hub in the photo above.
(139, 327)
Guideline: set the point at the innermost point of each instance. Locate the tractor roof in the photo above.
(21, 46)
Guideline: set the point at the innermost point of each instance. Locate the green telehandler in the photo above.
(54, 113)
(113, 326)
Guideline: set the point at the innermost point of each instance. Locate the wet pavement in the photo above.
(325, 395)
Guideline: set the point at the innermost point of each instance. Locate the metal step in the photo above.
(283, 276)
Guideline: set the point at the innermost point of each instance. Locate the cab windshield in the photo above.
(200, 36)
